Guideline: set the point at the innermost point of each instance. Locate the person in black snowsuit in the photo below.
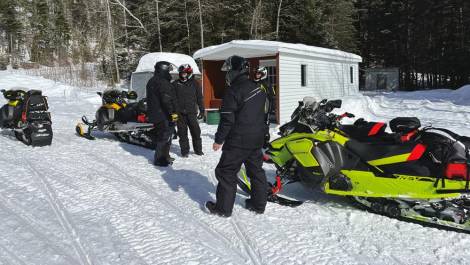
(261, 78)
(162, 111)
(241, 132)
(189, 98)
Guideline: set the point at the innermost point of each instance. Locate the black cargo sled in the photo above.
(26, 114)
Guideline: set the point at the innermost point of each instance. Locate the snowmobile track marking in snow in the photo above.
(62, 215)
(252, 254)
(36, 228)
(140, 185)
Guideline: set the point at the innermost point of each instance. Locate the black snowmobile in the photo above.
(120, 117)
(26, 113)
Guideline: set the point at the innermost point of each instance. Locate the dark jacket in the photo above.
(161, 99)
(242, 115)
(189, 96)
(271, 96)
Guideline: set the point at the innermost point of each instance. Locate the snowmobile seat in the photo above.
(374, 151)
(365, 131)
(404, 125)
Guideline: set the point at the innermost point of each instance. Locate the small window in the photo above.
(303, 74)
(351, 74)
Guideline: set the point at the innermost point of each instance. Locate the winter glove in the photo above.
(267, 136)
(173, 117)
(201, 115)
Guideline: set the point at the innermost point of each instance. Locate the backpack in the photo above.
(35, 107)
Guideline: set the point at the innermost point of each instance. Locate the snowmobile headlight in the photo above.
(132, 95)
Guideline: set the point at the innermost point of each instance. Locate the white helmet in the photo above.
(263, 71)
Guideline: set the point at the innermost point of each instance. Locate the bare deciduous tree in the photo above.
(278, 18)
(158, 27)
(200, 23)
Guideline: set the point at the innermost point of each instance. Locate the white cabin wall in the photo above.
(326, 78)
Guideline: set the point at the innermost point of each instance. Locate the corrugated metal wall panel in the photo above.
(325, 79)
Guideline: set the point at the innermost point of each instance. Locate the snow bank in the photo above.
(459, 96)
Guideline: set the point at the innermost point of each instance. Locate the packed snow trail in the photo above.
(103, 202)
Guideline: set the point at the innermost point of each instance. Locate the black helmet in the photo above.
(235, 66)
(235, 63)
(164, 68)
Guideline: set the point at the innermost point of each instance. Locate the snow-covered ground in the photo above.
(103, 202)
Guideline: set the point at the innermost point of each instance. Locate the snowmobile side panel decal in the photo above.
(13, 103)
(390, 160)
(376, 128)
(302, 151)
(366, 184)
(114, 106)
(417, 152)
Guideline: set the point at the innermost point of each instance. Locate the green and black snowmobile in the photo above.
(413, 173)
(26, 113)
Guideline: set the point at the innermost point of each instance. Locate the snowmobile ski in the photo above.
(284, 201)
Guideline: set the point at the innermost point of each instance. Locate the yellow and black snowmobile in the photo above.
(127, 121)
(413, 173)
(26, 113)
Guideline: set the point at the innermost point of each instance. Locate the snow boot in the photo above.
(249, 206)
(211, 206)
(162, 163)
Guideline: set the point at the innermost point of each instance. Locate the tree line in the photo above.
(429, 40)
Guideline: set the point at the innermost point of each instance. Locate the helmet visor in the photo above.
(168, 67)
(227, 66)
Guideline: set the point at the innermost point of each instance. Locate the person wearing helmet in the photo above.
(261, 78)
(162, 111)
(240, 135)
(189, 98)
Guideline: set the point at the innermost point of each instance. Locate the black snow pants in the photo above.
(226, 173)
(164, 132)
(186, 121)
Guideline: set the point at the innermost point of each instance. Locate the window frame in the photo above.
(351, 74)
(303, 75)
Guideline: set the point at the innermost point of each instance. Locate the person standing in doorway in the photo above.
(190, 101)
(261, 79)
(162, 111)
(241, 133)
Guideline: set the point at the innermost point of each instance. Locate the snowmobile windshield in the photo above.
(311, 103)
